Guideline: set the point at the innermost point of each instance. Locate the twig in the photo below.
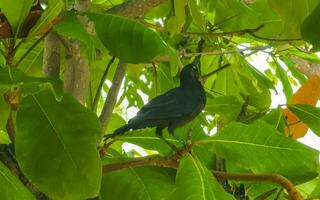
(273, 39)
(103, 78)
(216, 71)
(259, 48)
(112, 95)
(31, 48)
(231, 33)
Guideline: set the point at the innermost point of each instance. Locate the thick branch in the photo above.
(135, 8)
(51, 55)
(171, 162)
(112, 95)
(77, 74)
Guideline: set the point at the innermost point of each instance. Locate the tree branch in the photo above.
(259, 48)
(172, 162)
(112, 95)
(51, 55)
(134, 8)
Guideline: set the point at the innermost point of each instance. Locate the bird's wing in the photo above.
(172, 104)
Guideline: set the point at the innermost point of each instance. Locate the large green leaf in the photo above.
(56, 146)
(129, 40)
(283, 76)
(138, 183)
(32, 63)
(15, 11)
(11, 188)
(307, 114)
(310, 30)
(234, 15)
(194, 181)
(292, 14)
(9, 77)
(71, 27)
(228, 107)
(52, 11)
(261, 148)
(276, 119)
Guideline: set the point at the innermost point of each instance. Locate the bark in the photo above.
(77, 74)
(135, 8)
(51, 55)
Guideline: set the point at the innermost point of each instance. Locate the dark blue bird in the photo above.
(172, 109)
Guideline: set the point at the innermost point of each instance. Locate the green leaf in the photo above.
(115, 122)
(56, 146)
(138, 183)
(275, 118)
(294, 71)
(4, 109)
(310, 30)
(311, 189)
(228, 107)
(308, 114)
(262, 149)
(11, 187)
(129, 40)
(175, 23)
(32, 63)
(262, 79)
(234, 15)
(9, 77)
(50, 13)
(194, 181)
(292, 14)
(196, 14)
(16, 12)
(71, 27)
(283, 76)
(259, 96)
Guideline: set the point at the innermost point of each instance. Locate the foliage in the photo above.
(57, 140)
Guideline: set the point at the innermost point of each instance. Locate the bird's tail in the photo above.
(118, 131)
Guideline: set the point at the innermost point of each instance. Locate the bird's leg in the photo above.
(183, 142)
(159, 134)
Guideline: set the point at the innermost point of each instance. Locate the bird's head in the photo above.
(190, 73)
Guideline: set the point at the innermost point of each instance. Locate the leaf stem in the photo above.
(31, 48)
(103, 78)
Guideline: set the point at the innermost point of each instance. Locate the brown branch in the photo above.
(271, 178)
(135, 8)
(112, 95)
(172, 162)
(103, 78)
(51, 55)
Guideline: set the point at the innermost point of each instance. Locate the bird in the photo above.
(172, 109)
